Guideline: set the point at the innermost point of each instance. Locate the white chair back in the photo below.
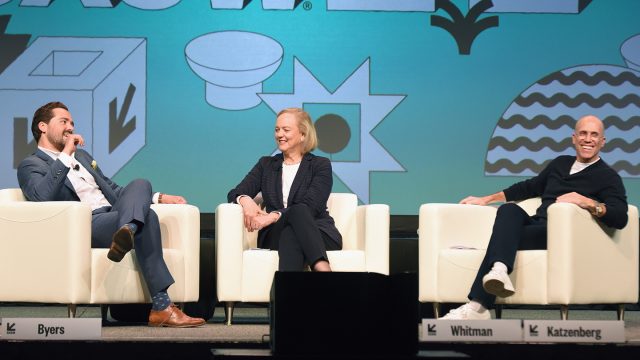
(342, 208)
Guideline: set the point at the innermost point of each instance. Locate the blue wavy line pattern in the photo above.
(529, 127)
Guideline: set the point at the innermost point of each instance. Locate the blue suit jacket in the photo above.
(43, 179)
(311, 187)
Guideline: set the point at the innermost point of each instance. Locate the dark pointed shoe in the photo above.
(121, 243)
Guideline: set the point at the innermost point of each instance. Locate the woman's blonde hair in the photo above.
(306, 127)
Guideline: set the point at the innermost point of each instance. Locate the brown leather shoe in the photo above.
(121, 243)
(172, 316)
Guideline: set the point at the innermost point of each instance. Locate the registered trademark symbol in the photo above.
(307, 5)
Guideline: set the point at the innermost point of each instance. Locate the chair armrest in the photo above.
(45, 252)
(441, 226)
(588, 261)
(180, 229)
(373, 236)
(229, 248)
(13, 194)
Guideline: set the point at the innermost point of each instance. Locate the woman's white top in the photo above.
(288, 174)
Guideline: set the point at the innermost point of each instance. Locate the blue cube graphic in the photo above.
(101, 80)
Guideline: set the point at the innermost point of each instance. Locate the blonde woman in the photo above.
(295, 186)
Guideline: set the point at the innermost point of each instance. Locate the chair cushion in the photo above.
(108, 278)
(456, 271)
(457, 268)
(530, 268)
(347, 260)
(258, 268)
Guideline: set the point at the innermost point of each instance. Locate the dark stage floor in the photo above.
(248, 338)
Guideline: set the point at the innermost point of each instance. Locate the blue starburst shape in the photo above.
(373, 110)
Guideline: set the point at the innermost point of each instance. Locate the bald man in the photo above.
(584, 179)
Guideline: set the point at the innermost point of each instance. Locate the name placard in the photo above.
(471, 330)
(50, 328)
(574, 331)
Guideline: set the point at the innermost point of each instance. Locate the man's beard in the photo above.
(57, 141)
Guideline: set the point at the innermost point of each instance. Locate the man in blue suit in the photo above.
(121, 216)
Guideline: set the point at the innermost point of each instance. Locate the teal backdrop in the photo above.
(409, 118)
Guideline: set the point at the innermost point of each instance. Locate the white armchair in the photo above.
(245, 273)
(46, 255)
(585, 261)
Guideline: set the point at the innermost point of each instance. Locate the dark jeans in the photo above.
(513, 230)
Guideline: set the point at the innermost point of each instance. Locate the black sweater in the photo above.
(598, 182)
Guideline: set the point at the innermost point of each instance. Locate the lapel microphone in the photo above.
(76, 167)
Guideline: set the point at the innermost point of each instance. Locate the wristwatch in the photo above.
(597, 210)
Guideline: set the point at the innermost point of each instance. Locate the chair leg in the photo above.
(436, 310)
(104, 313)
(564, 312)
(228, 312)
(71, 310)
(498, 310)
(620, 311)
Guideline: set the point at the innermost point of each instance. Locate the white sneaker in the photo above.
(498, 283)
(465, 312)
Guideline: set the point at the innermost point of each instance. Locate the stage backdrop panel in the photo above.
(415, 101)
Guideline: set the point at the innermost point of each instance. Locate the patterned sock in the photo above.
(133, 227)
(160, 300)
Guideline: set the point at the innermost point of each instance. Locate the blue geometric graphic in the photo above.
(338, 128)
(151, 4)
(374, 108)
(100, 3)
(280, 4)
(102, 80)
(536, 6)
(630, 51)
(233, 64)
(38, 3)
(229, 4)
(382, 5)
